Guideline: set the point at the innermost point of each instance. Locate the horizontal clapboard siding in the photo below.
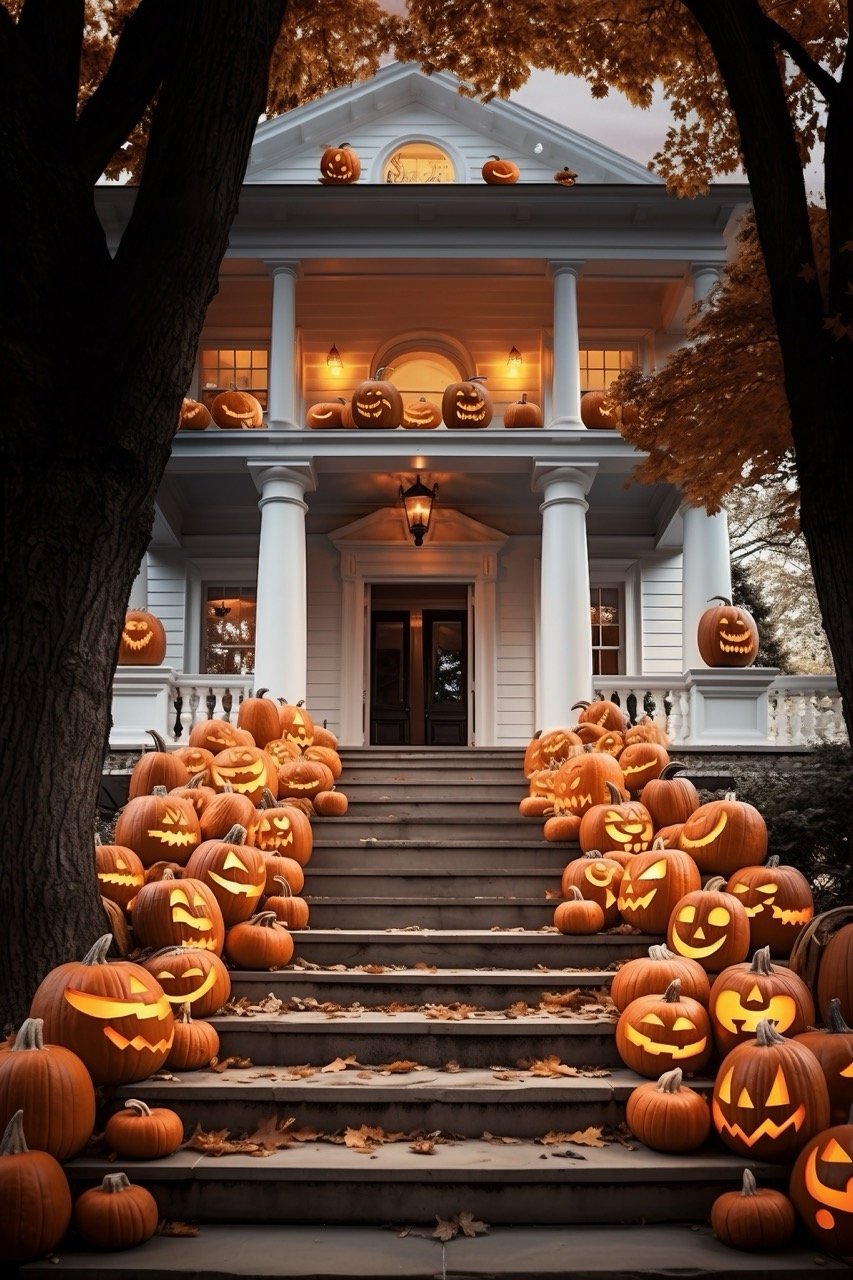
(661, 616)
(167, 596)
(515, 644)
(323, 696)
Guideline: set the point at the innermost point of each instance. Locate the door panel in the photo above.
(390, 648)
(446, 678)
(419, 677)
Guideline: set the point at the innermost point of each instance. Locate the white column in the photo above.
(138, 598)
(281, 624)
(282, 406)
(566, 393)
(565, 644)
(704, 276)
(706, 571)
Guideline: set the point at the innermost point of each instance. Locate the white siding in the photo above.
(661, 616)
(515, 647)
(323, 696)
(167, 595)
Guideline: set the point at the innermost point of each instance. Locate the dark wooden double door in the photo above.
(419, 669)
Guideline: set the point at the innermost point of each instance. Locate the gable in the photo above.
(402, 104)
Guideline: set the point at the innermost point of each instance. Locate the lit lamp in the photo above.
(334, 363)
(418, 501)
(513, 360)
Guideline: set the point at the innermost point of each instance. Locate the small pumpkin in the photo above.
(140, 1132)
(421, 415)
(196, 1043)
(143, 640)
(754, 1217)
(117, 1214)
(566, 177)
(193, 415)
(197, 760)
(196, 792)
(600, 412)
(743, 994)
(669, 1029)
(833, 1048)
(303, 778)
(35, 1199)
(53, 1086)
(523, 413)
(666, 1115)
(778, 901)
(562, 828)
(645, 730)
(601, 712)
(727, 635)
(330, 804)
(237, 410)
(377, 404)
(280, 866)
(466, 405)
(709, 925)
(339, 165)
(290, 910)
(260, 943)
(578, 914)
(652, 974)
(498, 172)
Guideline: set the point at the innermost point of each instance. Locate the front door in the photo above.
(419, 669)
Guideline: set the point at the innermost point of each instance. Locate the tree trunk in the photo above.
(98, 352)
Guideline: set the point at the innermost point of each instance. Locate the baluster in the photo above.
(631, 704)
(774, 719)
(797, 716)
(210, 703)
(227, 703)
(178, 704)
(674, 721)
(809, 727)
(194, 701)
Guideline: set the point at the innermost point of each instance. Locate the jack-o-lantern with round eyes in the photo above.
(466, 405)
(377, 404)
(339, 165)
(234, 871)
(285, 830)
(723, 835)
(727, 636)
(249, 770)
(743, 994)
(833, 1048)
(191, 976)
(709, 925)
(778, 901)
(237, 411)
(619, 824)
(159, 826)
(120, 872)
(143, 640)
(669, 798)
(500, 173)
(598, 878)
(421, 415)
(296, 724)
(193, 415)
(601, 712)
(214, 736)
(641, 763)
(821, 1188)
(769, 1096)
(112, 1014)
(652, 883)
(178, 913)
(612, 743)
(660, 1031)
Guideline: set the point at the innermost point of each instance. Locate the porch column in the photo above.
(138, 598)
(282, 405)
(704, 276)
(281, 624)
(565, 644)
(706, 571)
(566, 387)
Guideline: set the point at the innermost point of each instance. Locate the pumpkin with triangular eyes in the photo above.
(821, 1188)
(652, 883)
(745, 993)
(710, 926)
(236, 873)
(143, 640)
(296, 724)
(660, 1031)
(778, 901)
(158, 825)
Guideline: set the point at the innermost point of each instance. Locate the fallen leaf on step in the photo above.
(446, 1229)
(471, 1226)
(300, 1073)
(551, 1066)
(517, 1010)
(506, 1075)
(373, 968)
(452, 1065)
(501, 1140)
(403, 1067)
(270, 1004)
(423, 1147)
(590, 1137)
(364, 1075)
(566, 1155)
(177, 1229)
(426, 968)
(554, 895)
(272, 1133)
(225, 1063)
(309, 1135)
(340, 1064)
(451, 1012)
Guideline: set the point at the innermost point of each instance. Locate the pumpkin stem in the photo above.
(715, 884)
(523, 399)
(672, 995)
(268, 800)
(761, 962)
(669, 770)
(773, 861)
(198, 779)
(97, 954)
(137, 1106)
(260, 692)
(98, 840)
(750, 1186)
(835, 1019)
(670, 1081)
(159, 742)
(13, 1142)
(766, 1034)
(658, 843)
(574, 894)
(186, 1017)
(615, 793)
(660, 951)
(30, 1035)
(168, 874)
(725, 599)
(265, 919)
(575, 705)
(115, 1182)
(159, 791)
(286, 891)
(237, 835)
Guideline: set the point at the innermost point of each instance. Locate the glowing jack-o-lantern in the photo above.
(284, 829)
(235, 872)
(821, 1188)
(143, 640)
(377, 404)
(193, 415)
(641, 762)
(237, 411)
(727, 636)
(157, 768)
(651, 885)
(120, 872)
(500, 173)
(248, 770)
(833, 1048)
(778, 901)
(158, 825)
(191, 976)
(660, 1031)
(296, 724)
(619, 824)
(743, 994)
(113, 1015)
(421, 415)
(557, 745)
(583, 785)
(339, 165)
(327, 415)
(603, 713)
(769, 1096)
(598, 879)
(181, 913)
(466, 405)
(214, 736)
(723, 835)
(303, 779)
(710, 926)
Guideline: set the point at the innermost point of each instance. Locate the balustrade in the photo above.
(204, 697)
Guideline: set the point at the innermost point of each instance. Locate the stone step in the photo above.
(263, 1252)
(462, 826)
(462, 810)
(425, 881)
(346, 848)
(469, 948)
(468, 1102)
(441, 789)
(525, 1182)
(480, 1039)
(442, 912)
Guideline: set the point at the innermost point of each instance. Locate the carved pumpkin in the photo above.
(670, 799)
(743, 994)
(156, 825)
(646, 730)
(540, 796)
(669, 836)
(196, 792)
(578, 914)
(284, 829)
(235, 872)
(589, 733)
(35, 1199)
(523, 413)
(115, 1016)
(303, 779)
(324, 737)
(282, 750)
(120, 872)
(196, 1043)
(709, 925)
(646, 976)
(641, 763)
(620, 824)
(191, 976)
(651, 885)
(377, 404)
(196, 759)
(327, 756)
(821, 1188)
(326, 416)
(566, 177)
(557, 745)
(597, 878)
(466, 405)
(157, 768)
(727, 636)
(117, 1214)
(193, 415)
(143, 640)
(339, 165)
(754, 1217)
(249, 770)
(237, 411)
(664, 1030)
(668, 1116)
(421, 415)
(833, 1048)
(610, 742)
(290, 910)
(140, 1132)
(723, 835)
(607, 715)
(260, 943)
(178, 913)
(778, 901)
(600, 412)
(498, 172)
(296, 724)
(259, 715)
(214, 735)
(53, 1086)
(769, 1097)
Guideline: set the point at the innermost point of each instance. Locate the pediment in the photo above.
(387, 527)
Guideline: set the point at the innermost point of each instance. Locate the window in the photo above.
(419, 162)
(234, 369)
(602, 365)
(423, 373)
(229, 630)
(607, 628)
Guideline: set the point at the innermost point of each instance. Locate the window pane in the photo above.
(229, 647)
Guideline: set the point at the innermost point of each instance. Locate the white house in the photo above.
(281, 557)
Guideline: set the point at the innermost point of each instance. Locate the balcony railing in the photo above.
(205, 697)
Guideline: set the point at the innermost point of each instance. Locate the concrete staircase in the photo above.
(429, 899)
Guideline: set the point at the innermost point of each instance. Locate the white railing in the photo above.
(204, 697)
(663, 701)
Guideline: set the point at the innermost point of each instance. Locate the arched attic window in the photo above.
(420, 372)
(417, 161)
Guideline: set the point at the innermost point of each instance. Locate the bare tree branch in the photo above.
(818, 75)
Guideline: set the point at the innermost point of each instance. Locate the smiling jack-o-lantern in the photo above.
(727, 636)
(709, 925)
(158, 825)
(603, 713)
(235, 871)
(303, 779)
(143, 640)
(660, 1031)
(377, 404)
(641, 763)
(114, 1015)
(296, 724)
(237, 411)
(618, 824)
(193, 415)
(327, 415)
(179, 913)
(821, 1188)
(833, 1048)
(248, 770)
(120, 872)
(743, 994)
(769, 1097)
(214, 735)
(191, 976)
(557, 745)
(284, 829)
(500, 173)
(421, 415)
(651, 885)
(339, 165)
(466, 405)
(778, 901)
(598, 878)
(723, 835)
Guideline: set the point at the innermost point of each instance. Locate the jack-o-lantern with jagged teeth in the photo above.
(178, 913)
(466, 405)
(659, 1031)
(421, 415)
(158, 825)
(618, 824)
(583, 783)
(120, 872)
(727, 636)
(652, 883)
(143, 640)
(283, 829)
(778, 901)
(377, 404)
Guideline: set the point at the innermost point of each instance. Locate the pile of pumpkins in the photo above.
(231, 410)
(376, 404)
